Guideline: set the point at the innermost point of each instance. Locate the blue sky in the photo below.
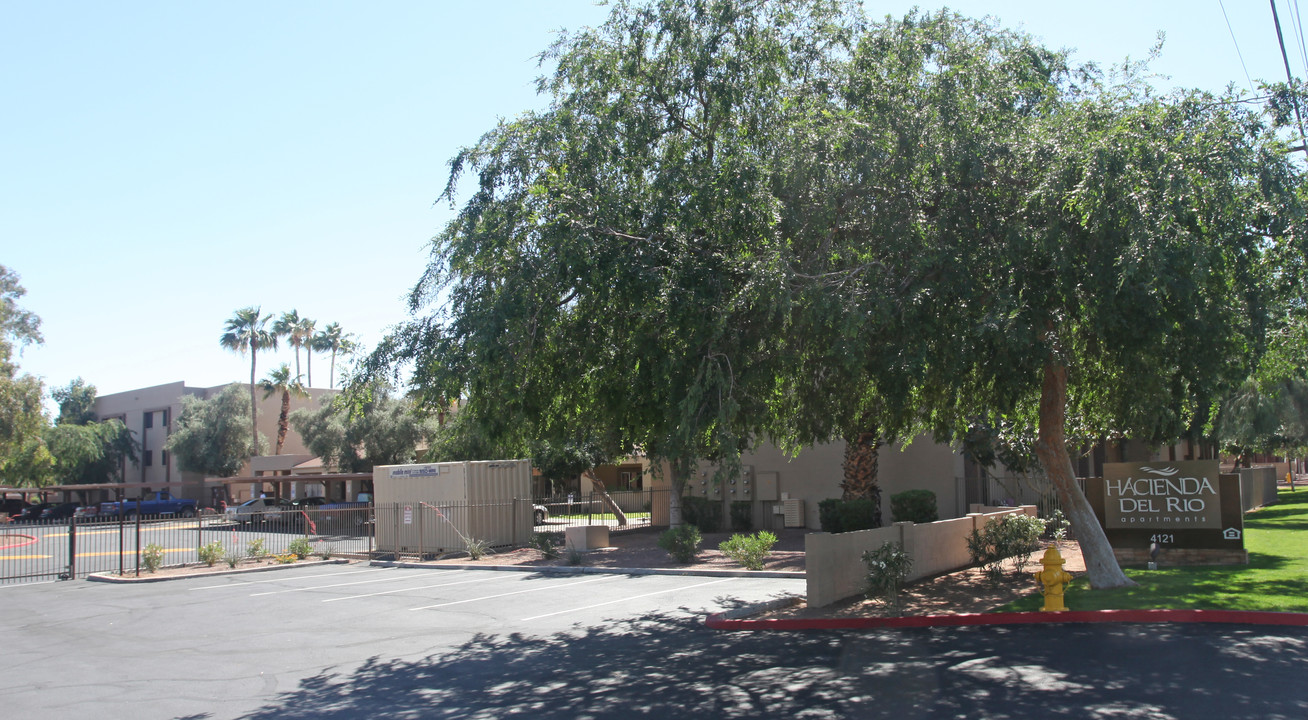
(165, 163)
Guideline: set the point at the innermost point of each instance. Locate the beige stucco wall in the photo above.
(834, 568)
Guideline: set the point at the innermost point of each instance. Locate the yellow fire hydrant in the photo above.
(1053, 580)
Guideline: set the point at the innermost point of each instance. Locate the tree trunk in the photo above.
(862, 460)
(254, 419)
(331, 381)
(608, 501)
(1051, 447)
(680, 471)
(282, 420)
(308, 366)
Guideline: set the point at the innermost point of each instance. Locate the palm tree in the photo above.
(291, 326)
(305, 330)
(333, 340)
(246, 331)
(279, 381)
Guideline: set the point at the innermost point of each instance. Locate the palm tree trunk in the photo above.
(604, 498)
(331, 381)
(1051, 447)
(281, 420)
(254, 418)
(308, 365)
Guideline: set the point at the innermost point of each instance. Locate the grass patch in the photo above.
(1275, 579)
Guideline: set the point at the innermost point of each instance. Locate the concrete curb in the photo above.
(585, 570)
(110, 578)
(730, 621)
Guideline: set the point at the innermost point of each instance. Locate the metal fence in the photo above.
(73, 548)
(1030, 489)
(556, 514)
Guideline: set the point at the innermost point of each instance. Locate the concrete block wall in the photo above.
(833, 563)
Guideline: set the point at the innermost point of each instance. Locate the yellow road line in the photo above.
(83, 533)
(126, 553)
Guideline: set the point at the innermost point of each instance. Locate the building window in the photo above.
(164, 414)
(147, 458)
(163, 457)
(149, 420)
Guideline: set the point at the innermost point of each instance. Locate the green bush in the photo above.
(681, 542)
(837, 516)
(887, 570)
(742, 515)
(326, 550)
(1016, 536)
(152, 557)
(211, 553)
(917, 506)
(255, 548)
(301, 548)
(703, 513)
(1056, 527)
(231, 559)
(750, 551)
(544, 542)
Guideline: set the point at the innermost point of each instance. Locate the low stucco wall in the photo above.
(1257, 487)
(833, 564)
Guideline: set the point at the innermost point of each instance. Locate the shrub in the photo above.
(1016, 535)
(681, 542)
(703, 513)
(749, 550)
(918, 506)
(477, 549)
(326, 550)
(1056, 528)
(887, 570)
(255, 548)
(837, 516)
(301, 548)
(211, 553)
(544, 542)
(742, 515)
(286, 559)
(575, 557)
(231, 559)
(152, 557)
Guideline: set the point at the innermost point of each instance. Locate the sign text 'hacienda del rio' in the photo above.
(1171, 495)
(1175, 512)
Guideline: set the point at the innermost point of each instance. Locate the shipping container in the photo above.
(438, 508)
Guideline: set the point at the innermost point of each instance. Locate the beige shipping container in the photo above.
(432, 508)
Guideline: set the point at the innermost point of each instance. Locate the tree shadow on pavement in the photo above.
(667, 665)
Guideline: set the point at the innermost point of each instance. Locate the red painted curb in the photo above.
(30, 540)
(1242, 617)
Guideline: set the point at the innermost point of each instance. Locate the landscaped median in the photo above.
(1271, 590)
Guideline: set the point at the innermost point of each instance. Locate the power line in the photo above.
(1237, 45)
(1289, 77)
(1297, 16)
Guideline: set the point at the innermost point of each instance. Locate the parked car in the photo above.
(160, 503)
(62, 511)
(261, 510)
(32, 513)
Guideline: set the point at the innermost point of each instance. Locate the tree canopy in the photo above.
(381, 430)
(21, 414)
(749, 219)
(209, 436)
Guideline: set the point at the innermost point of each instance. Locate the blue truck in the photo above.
(160, 503)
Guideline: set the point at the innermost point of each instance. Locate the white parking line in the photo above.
(322, 587)
(284, 579)
(420, 587)
(626, 599)
(519, 592)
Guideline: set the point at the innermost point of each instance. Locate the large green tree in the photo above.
(209, 434)
(247, 331)
(746, 218)
(76, 403)
(379, 429)
(21, 414)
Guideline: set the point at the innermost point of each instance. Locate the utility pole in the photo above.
(1294, 97)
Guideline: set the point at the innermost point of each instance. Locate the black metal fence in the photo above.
(73, 548)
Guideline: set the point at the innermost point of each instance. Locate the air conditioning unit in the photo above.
(793, 509)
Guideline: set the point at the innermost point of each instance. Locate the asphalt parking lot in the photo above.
(363, 642)
(224, 646)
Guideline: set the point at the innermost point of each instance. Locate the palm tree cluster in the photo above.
(248, 330)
